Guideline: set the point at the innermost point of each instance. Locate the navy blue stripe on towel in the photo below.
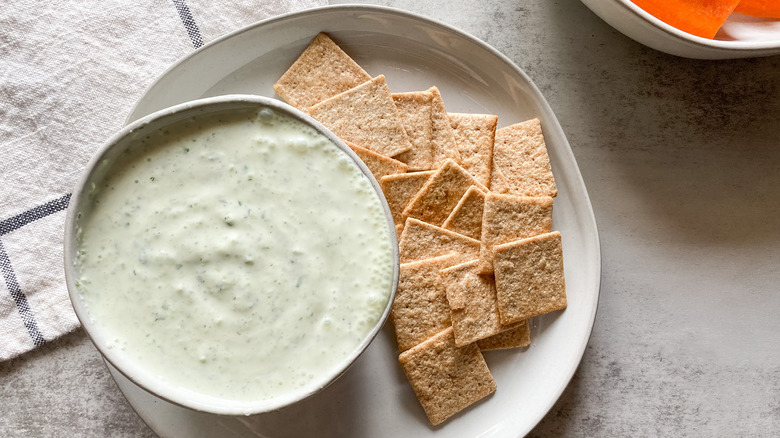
(19, 298)
(33, 214)
(189, 22)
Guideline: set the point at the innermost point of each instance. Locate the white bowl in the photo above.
(113, 150)
(741, 36)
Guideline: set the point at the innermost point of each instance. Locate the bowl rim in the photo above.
(747, 46)
(137, 374)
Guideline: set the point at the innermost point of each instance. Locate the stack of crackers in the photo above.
(472, 205)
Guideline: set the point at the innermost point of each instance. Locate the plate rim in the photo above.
(595, 242)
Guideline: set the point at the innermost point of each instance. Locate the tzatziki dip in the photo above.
(239, 255)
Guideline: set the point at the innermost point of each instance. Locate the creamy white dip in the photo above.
(240, 257)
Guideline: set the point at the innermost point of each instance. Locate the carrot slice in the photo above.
(759, 8)
(698, 17)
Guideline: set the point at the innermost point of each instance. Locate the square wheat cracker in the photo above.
(379, 165)
(507, 218)
(427, 122)
(516, 337)
(473, 305)
(474, 137)
(445, 378)
(439, 196)
(443, 138)
(521, 165)
(415, 109)
(529, 277)
(420, 309)
(322, 71)
(400, 189)
(466, 217)
(365, 115)
(420, 240)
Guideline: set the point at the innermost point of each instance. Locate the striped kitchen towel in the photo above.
(70, 71)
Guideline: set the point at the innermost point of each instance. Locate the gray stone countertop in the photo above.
(681, 159)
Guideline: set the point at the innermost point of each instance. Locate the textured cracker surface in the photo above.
(415, 112)
(443, 136)
(379, 165)
(521, 165)
(400, 189)
(365, 115)
(421, 240)
(420, 309)
(466, 217)
(474, 137)
(516, 337)
(446, 378)
(507, 218)
(529, 277)
(322, 71)
(439, 196)
(473, 304)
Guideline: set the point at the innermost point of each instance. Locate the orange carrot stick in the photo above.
(698, 17)
(759, 8)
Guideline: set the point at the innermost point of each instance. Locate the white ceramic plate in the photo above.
(741, 36)
(373, 397)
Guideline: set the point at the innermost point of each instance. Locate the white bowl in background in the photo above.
(741, 36)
